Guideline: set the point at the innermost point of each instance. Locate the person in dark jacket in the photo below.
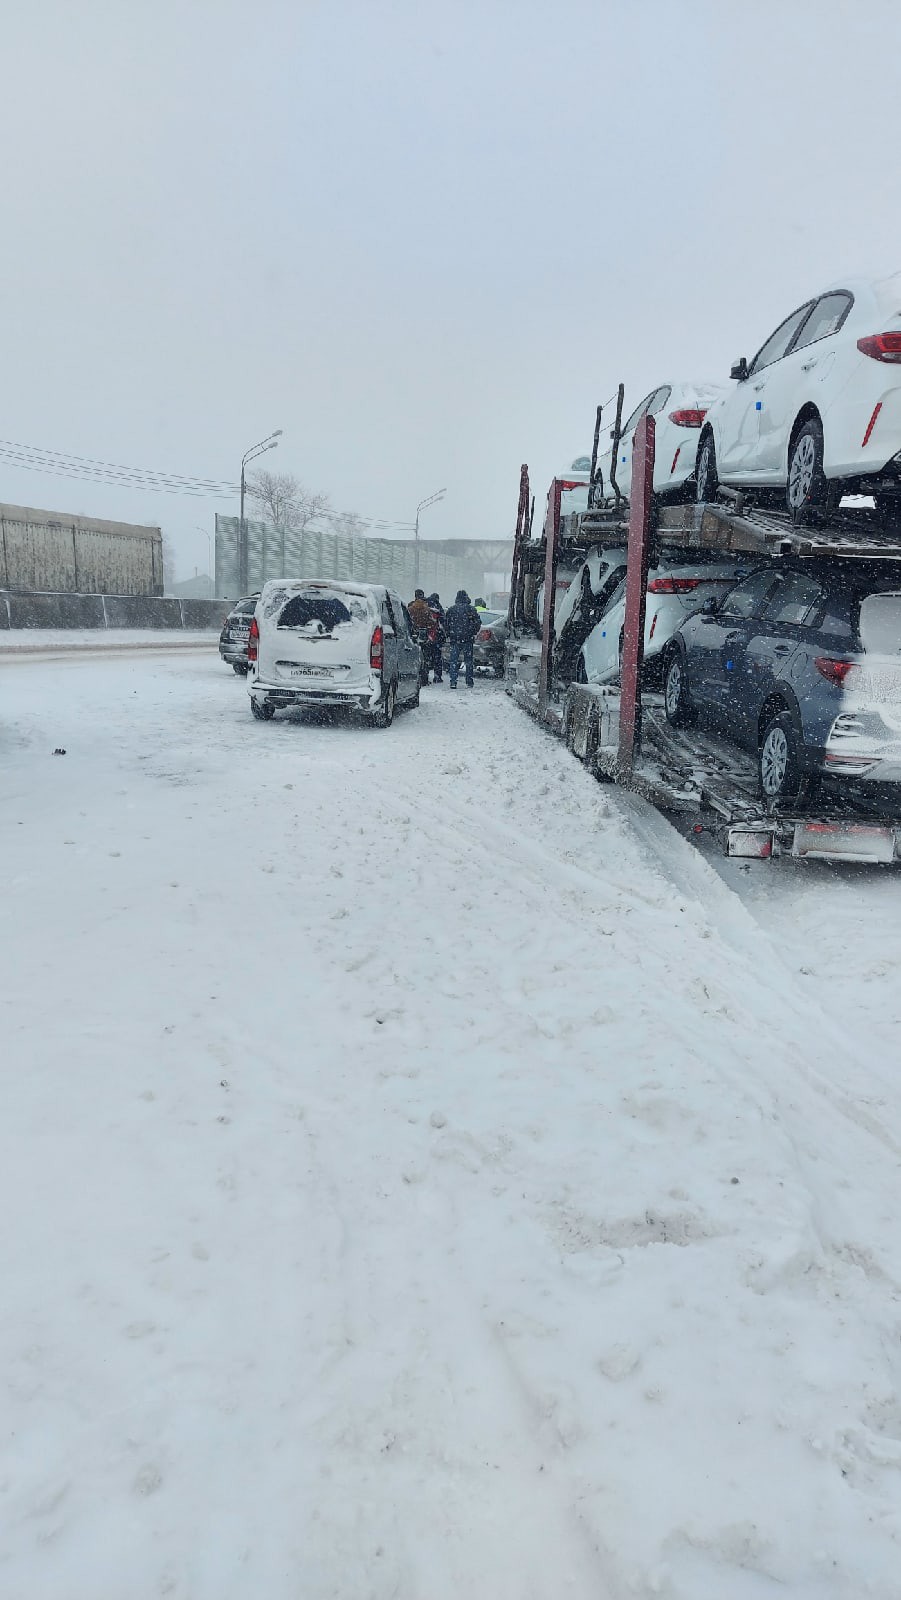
(437, 637)
(462, 622)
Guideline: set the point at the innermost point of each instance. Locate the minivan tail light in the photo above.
(833, 671)
(375, 650)
(688, 418)
(253, 641)
(673, 585)
(881, 346)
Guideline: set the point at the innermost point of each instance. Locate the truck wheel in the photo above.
(706, 480)
(679, 711)
(383, 716)
(240, 668)
(806, 489)
(262, 710)
(779, 761)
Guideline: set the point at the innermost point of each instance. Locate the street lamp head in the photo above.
(276, 433)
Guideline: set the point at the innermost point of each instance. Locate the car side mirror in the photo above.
(739, 369)
(710, 607)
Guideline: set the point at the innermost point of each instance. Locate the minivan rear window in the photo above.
(320, 608)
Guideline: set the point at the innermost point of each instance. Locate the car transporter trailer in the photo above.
(622, 734)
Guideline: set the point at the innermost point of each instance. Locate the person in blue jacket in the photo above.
(461, 623)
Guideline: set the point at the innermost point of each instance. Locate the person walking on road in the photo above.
(437, 637)
(419, 616)
(462, 622)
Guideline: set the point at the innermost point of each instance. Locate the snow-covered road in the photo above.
(425, 1176)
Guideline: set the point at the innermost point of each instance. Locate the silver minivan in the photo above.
(323, 642)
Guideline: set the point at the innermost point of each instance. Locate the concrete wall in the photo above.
(109, 611)
(48, 551)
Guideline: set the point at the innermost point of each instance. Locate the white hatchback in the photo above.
(679, 410)
(817, 412)
(676, 588)
(321, 642)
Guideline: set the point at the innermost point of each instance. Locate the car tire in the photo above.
(806, 488)
(383, 716)
(240, 668)
(678, 708)
(779, 771)
(262, 710)
(706, 480)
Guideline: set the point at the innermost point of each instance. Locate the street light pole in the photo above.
(421, 507)
(269, 443)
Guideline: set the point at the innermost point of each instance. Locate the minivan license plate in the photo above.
(309, 672)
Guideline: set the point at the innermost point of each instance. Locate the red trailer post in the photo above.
(636, 590)
(523, 529)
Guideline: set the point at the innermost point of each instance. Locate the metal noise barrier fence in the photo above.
(279, 553)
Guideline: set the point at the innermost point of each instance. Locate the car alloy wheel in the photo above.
(706, 479)
(800, 475)
(773, 762)
(806, 489)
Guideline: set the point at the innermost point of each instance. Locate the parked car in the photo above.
(490, 642)
(583, 604)
(566, 572)
(817, 412)
(332, 644)
(679, 410)
(235, 632)
(681, 582)
(800, 663)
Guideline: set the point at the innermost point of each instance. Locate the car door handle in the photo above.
(806, 365)
(781, 649)
(757, 387)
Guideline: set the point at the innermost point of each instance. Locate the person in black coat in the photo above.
(462, 622)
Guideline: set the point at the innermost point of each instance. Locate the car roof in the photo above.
(295, 585)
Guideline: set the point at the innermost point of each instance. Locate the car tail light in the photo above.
(833, 671)
(484, 634)
(881, 346)
(375, 650)
(688, 418)
(673, 585)
(253, 641)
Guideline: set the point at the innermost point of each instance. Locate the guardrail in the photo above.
(60, 610)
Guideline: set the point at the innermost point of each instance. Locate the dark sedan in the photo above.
(235, 633)
(801, 663)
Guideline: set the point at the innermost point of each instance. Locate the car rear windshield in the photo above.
(879, 625)
(321, 610)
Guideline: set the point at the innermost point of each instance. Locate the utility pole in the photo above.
(421, 507)
(269, 443)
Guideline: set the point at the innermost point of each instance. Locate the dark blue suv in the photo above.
(801, 663)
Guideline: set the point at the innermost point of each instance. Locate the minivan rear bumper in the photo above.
(280, 694)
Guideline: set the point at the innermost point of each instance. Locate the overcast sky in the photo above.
(425, 239)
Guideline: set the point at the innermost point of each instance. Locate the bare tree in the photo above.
(347, 522)
(283, 500)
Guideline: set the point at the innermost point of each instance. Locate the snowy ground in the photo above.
(425, 1175)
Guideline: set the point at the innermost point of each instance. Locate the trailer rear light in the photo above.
(881, 346)
(253, 641)
(687, 418)
(375, 650)
(833, 671)
(484, 634)
(754, 844)
(673, 585)
(871, 424)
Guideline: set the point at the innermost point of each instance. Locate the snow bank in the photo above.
(414, 1188)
